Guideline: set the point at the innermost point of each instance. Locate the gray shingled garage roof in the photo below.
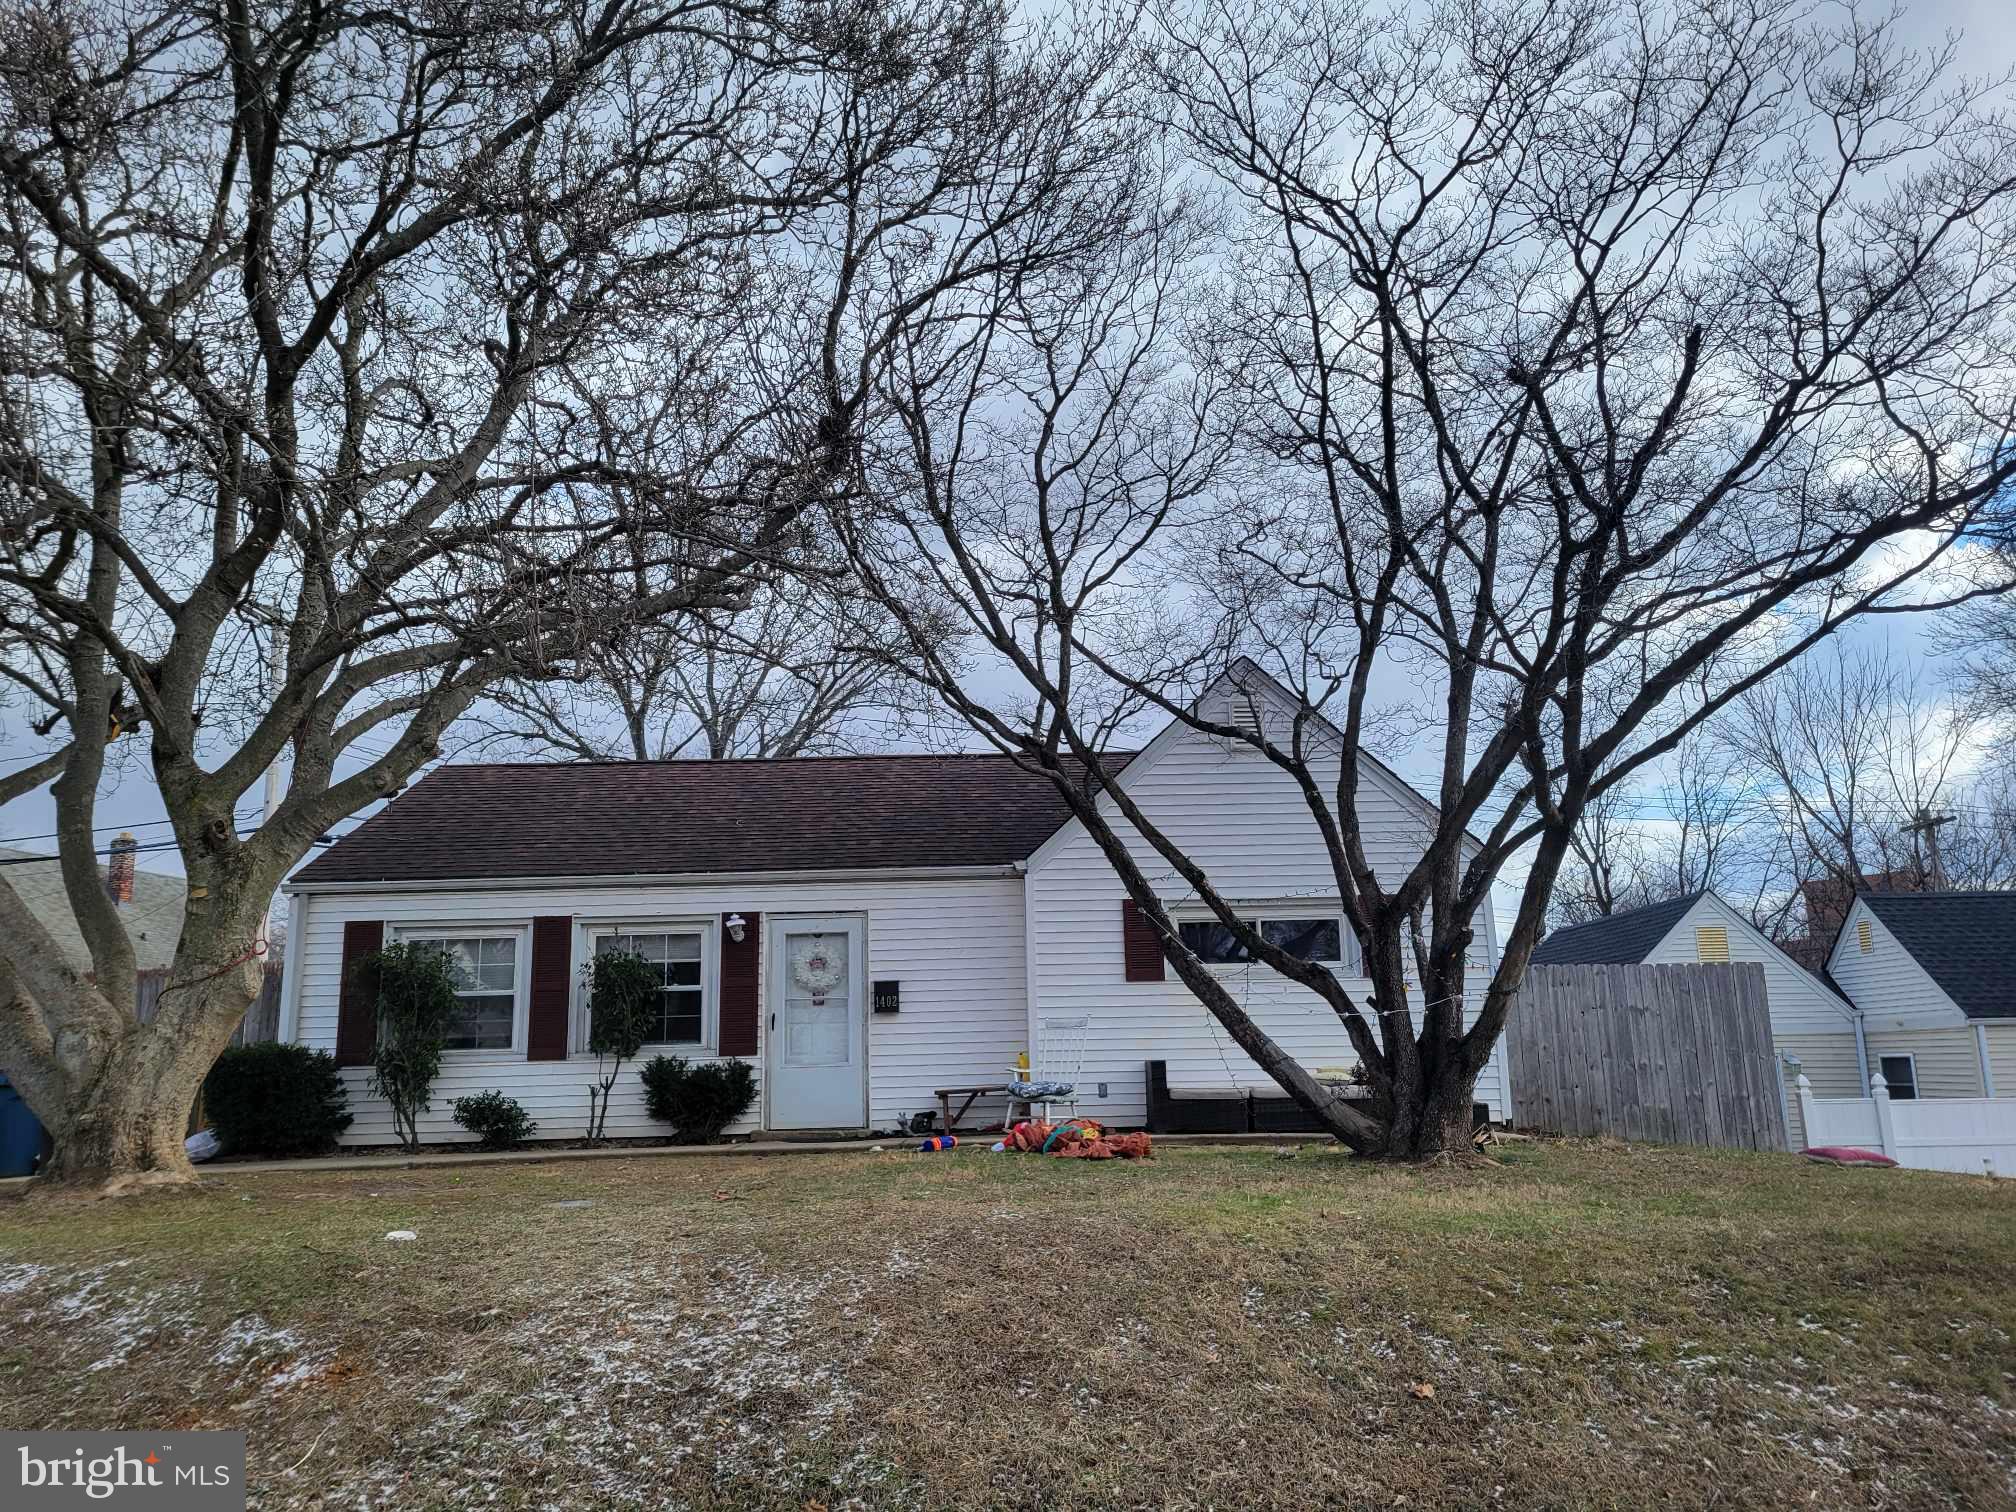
(489, 822)
(1965, 940)
(1619, 940)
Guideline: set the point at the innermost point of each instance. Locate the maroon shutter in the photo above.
(739, 999)
(1139, 947)
(357, 997)
(546, 1006)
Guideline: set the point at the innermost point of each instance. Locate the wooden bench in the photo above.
(948, 1121)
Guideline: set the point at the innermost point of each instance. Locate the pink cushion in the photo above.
(1847, 1155)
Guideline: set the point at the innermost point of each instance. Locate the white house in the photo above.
(1934, 978)
(864, 930)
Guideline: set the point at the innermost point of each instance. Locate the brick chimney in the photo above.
(119, 870)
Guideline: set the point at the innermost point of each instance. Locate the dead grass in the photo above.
(1601, 1324)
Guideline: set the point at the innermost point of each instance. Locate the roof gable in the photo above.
(1623, 939)
(1250, 679)
(507, 821)
(1964, 941)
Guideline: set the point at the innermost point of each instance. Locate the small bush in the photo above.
(500, 1120)
(698, 1101)
(275, 1099)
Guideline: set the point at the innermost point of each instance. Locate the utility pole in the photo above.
(1930, 823)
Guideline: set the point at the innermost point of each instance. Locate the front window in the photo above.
(1306, 937)
(485, 970)
(676, 956)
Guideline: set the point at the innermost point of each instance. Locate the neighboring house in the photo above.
(1934, 976)
(149, 903)
(1920, 988)
(1810, 1021)
(862, 929)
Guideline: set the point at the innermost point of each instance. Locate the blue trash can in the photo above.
(20, 1134)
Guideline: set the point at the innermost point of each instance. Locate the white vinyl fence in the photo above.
(1970, 1134)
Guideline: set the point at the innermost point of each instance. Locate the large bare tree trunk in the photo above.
(118, 1106)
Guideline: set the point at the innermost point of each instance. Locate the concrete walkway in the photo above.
(435, 1159)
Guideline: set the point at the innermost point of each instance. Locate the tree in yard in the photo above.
(1559, 373)
(802, 671)
(413, 988)
(359, 361)
(622, 1011)
(1697, 825)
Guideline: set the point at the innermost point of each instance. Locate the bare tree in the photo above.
(448, 346)
(1609, 869)
(1586, 363)
(804, 670)
(1852, 749)
(1696, 827)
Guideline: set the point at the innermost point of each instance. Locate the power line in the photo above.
(241, 817)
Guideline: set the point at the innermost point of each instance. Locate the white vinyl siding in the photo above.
(1829, 1063)
(1893, 991)
(1246, 824)
(955, 945)
(2002, 1057)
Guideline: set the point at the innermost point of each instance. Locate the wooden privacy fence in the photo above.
(1673, 1054)
(260, 1024)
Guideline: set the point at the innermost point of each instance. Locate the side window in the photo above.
(1900, 1075)
(1213, 942)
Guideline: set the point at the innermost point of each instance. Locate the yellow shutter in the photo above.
(1711, 943)
(1864, 936)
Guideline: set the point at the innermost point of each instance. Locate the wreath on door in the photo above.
(816, 966)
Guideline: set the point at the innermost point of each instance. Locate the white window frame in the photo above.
(515, 929)
(1259, 913)
(1917, 1090)
(707, 926)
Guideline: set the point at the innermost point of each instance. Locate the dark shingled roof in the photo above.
(1965, 940)
(1618, 940)
(612, 819)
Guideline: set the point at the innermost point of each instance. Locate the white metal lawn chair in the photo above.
(1052, 1077)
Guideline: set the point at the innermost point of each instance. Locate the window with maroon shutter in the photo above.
(1139, 947)
(357, 996)
(740, 1003)
(546, 1003)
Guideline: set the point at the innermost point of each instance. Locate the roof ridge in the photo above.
(722, 761)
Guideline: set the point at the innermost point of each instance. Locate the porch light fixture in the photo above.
(735, 924)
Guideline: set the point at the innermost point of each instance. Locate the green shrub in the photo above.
(500, 1120)
(275, 1099)
(698, 1101)
(415, 988)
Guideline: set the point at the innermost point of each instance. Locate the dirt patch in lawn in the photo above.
(1581, 1324)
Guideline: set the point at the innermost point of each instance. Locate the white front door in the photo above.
(817, 1071)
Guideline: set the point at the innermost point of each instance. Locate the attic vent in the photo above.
(1711, 943)
(1865, 936)
(1242, 712)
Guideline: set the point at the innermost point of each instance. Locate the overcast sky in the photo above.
(130, 801)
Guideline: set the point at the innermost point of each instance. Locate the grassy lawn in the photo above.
(1599, 1324)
